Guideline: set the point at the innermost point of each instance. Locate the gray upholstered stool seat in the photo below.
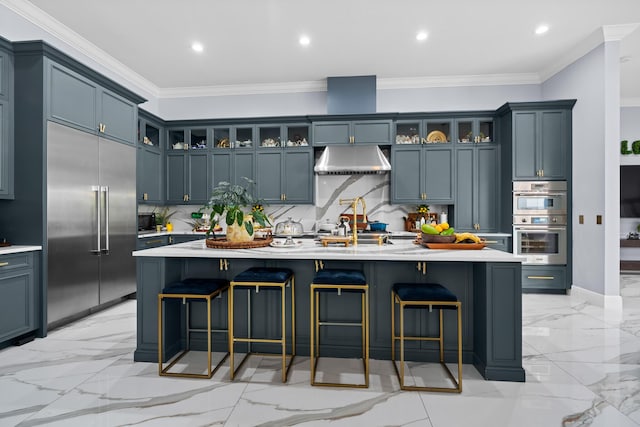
(191, 290)
(432, 296)
(339, 281)
(254, 280)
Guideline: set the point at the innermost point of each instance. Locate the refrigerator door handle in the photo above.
(96, 190)
(105, 190)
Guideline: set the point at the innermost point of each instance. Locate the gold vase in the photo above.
(238, 233)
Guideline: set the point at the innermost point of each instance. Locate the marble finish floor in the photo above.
(582, 364)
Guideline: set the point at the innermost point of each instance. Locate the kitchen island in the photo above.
(487, 282)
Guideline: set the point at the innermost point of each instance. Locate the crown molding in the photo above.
(74, 41)
(248, 89)
(458, 81)
(606, 33)
(630, 102)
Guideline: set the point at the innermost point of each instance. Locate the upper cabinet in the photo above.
(538, 137)
(6, 122)
(475, 131)
(151, 136)
(188, 166)
(77, 101)
(352, 132)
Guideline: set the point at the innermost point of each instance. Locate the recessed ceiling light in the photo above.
(304, 40)
(421, 36)
(541, 29)
(197, 47)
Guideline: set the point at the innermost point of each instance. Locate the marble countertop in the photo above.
(398, 234)
(7, 250)
(399, 250)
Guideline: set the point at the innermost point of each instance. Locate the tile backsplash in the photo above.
(329, 189)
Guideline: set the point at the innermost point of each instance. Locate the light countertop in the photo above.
(399, 250)
(18, 248)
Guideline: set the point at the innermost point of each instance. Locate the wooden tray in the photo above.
(223, 243)
(454, 246)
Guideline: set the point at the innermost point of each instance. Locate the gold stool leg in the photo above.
(231, 336)
(160, 322)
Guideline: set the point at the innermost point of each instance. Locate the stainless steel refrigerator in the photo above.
(91, 222)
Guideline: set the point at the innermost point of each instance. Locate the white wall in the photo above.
(594, 81)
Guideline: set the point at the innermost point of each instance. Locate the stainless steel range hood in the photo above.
(352, 159)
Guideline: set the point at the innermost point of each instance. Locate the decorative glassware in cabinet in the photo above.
(465, 132)
(222, 137)
(176, 140)
(270, 136)
(151, 135)
(198, 139)
(244, 137)
(485, 133)
(438, 133)
(297, 136)
(407, 133)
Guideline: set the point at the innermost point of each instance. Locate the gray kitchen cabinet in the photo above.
(538, 137)
(19, 296)
(188, 177)
(477, 188)
(352, 132)
(152, 242)
(77, 101)
(285, 176)
(231, 166)
(475, 130)
(150, 163)
(422, 174)
(550, 278)
(6, 121)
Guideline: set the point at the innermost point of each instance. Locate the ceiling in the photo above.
(255, 42)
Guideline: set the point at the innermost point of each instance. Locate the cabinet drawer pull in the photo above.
(541, 277)
(490, 241)
(153, 242)
(4, 264)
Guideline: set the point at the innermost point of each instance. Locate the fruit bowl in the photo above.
(437, 238)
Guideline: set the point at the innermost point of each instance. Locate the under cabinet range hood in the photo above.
(352, 159)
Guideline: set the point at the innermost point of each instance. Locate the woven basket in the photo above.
(223, 243)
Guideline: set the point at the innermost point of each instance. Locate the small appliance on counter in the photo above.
(146, 221)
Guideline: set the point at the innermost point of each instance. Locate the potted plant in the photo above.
(238, 208)
(163, 216)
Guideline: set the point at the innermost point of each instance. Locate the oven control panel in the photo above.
(539, 220)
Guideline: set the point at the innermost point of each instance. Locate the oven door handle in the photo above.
(541, 229)
(539, 194)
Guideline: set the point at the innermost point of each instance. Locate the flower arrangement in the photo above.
(423, 209)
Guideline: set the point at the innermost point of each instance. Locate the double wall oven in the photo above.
(540, 221)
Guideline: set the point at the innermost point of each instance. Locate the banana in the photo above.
(461, 237)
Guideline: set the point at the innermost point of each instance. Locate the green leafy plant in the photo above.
(163, 215)
(234, 202)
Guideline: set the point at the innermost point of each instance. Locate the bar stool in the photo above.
(432, 296)
(338, 280)
(266, 278)
(190, 290)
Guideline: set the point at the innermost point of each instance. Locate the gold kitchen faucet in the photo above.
(354, 206)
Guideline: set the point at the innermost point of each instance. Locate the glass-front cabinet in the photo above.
(475, 131)
(432, 131)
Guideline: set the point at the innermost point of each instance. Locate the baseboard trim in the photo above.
(610, 302)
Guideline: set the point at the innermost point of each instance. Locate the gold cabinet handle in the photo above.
(102, 127)
(4, 264)
(150, 242)
(489, 242)
(541, 277)
(145, 196)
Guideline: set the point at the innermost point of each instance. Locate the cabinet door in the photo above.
(331, 133)
(374, 132)
(6, 154)
(243, 166)
(524, 145)
(438, 174)
(486, 198)
(176, 178)
(406, 175)
(199, 177)
(150, 176)
(269, 176)
(553, 144)
(298, 176)
(72, 99)
(465, 195)
(17, 296)
(4, 74)
(117, 117)
(221, 167)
